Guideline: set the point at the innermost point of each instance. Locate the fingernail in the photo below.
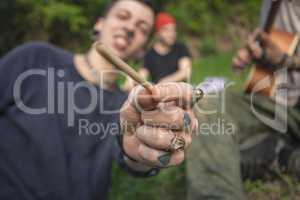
(165, 159)
(186, 120)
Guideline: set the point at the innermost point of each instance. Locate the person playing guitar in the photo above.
(256, 134)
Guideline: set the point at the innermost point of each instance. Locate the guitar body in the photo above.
(287, 42)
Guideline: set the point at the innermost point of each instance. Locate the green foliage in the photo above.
(57, 12)
(210, 20)
(208, 46)
(66, 23)
(214, 16)
(169, 185)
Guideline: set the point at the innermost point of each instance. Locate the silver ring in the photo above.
(197, 95)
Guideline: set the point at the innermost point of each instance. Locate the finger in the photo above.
(242, 59)
(157, 158)
(162, 139)
(253, 36)
(164, 104)
(131, 109)
(130, 145)
(261, 37)
(237, 65)
(142, 99)
(240, 63)
(180, 92)
(129, 112)
(171, 117)
(165, 92)
(256, 50)
(244, 56)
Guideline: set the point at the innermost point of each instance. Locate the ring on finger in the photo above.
(197, 95)
(177, 144)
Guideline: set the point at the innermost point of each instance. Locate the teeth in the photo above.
(121, 41)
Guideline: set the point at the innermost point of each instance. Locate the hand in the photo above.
(152, 122)
(261, 49)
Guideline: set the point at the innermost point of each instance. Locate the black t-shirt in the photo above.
(56, 152)
(161, 66)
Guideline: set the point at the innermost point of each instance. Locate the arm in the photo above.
(266, 53)
(182, 74)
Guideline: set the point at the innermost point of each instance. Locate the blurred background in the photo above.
(212, 30)
(209, 28)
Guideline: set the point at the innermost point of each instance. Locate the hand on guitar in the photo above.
(261, 50)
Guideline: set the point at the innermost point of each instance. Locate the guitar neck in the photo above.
(275, 5)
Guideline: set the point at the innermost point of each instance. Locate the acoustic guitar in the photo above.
(287, 42)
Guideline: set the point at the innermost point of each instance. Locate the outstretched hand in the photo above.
(158, 127)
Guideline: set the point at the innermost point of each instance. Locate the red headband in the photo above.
(163, 19)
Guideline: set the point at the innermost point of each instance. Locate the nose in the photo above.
(130, 34)
(129, 28)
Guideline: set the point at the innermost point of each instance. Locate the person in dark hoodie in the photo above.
(60, 118)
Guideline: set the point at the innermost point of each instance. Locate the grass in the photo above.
(170, 184)
(217, 66)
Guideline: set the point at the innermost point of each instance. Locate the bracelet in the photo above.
(142, 174)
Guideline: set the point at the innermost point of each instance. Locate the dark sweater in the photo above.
(54, 152)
